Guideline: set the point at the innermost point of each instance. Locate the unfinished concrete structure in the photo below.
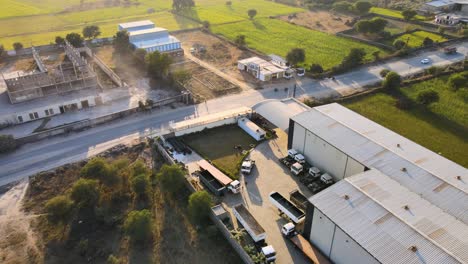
(71, 75)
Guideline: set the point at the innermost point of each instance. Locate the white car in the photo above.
(425, 61)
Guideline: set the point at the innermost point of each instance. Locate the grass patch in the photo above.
(416, 38)
(218, 145)
(392, 13)
(279, 37)
(441, 127)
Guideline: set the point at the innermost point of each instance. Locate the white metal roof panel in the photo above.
(376, 229)
(418, 169)
(136, 24)
(147, 31)
(279, 112)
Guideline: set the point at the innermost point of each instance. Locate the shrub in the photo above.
(399, 44)
(354, 58)
(403, 103)
(85, 192)
(427, 97)
(433, 70)
(427, 42)
(463, 94)
(408, 14)
(316, 68)
(362, 7)
(139, 168)
(392, 81)
(17, 46)
(171, 178)
(240, 40)
(458, 80)
(342, 6)
(59, 40)
(140, 184)
(384, 73)
(7, 143)
(96, 168)
(252, 13)
(199, 206)
(139, 226)
(59, 208)
(75, 39)
(295, 56)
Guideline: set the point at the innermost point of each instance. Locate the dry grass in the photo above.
(320, 20)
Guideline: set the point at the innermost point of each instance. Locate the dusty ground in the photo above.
(18, 243)
(219, 53)
(320, 20)
(204, 84)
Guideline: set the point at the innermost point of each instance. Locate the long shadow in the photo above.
(187, 18)
(258, 25)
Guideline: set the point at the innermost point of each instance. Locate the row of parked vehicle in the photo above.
(309, 175)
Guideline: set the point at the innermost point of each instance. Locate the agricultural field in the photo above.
(278, 37)
(392, 13)
(320, 20)
(441, 127)
(416, 39)
(224, 156)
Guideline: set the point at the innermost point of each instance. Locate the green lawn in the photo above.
(416, 39)
(279, 37)
(392, 13)
(441, 128)
(218, 144)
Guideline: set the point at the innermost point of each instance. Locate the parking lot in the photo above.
(268, 176)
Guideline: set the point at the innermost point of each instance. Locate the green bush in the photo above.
(85, 192)
(140, 184)
(171, 178)
(384, 72)
(458, 80)
(427, 97)
(342, 6)
(199, 206)
(59, 208)
(98, 168)
(139, 226)
(392, 81)
(7, 143)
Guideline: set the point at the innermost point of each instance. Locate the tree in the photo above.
(457, 81)
(75, 39)
(182, 4)
(362, 7)
(376, 55)
(378, 24)
(181, 76)
(392, 81)
(342, 6)
(384, 73)
(59, 208)
(59, 40)
(140, 185)
(427, 97)
(354, 58)
(295, 56)
(206, 25)
(158, 64)
(7, 143)
(139, 168)
(85, 192)
(121, 42)
(139, 226)
(199, 206)
(427, 42)
(17, 46)
(171, 178)
(98, 168)
(408, 14)
(363, 26)
(91, 32)
(399, 44)
(2, 50)
(240, 40)
(316, 68)
(140, 54)
(252, 13)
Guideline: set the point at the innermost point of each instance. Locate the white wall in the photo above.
(353, 167)
(346, 251)
(298, 138)
(197, 128)
(322, 231)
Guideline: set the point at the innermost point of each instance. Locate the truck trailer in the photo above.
(312, 253)
(298, 199)
(286, 207)
(253, 228)
(251, 128)
(215, 180)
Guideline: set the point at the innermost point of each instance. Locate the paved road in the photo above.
(50, 153)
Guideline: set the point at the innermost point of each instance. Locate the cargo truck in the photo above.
(312, 253)
(286, 207)
(215, 180)
(247, 166)
(253, 228)
(298, 199)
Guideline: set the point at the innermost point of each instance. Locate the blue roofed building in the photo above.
(145, 35)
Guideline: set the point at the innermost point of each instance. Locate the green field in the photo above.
(442, 127)
(416, 39)
(217, 145)
(392, 13)
(278, 37)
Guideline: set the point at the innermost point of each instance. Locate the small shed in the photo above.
(251, 128)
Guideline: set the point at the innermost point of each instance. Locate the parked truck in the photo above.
(312, 253)
(450, 50)
(215, 180)
(269, 253)
(298, 199)
(253, 228)
(247, 166)
(286, 207)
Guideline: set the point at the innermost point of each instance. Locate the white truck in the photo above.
(234, 186)
(314, 172)
(303, 245)
(286, 207)
(298, 157)
(247, 166)
(297, 168)
(269, 253)
(253, 228)
(326, 178)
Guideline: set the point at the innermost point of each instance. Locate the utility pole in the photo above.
(294, 90)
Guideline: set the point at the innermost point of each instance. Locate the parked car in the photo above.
(425, 61)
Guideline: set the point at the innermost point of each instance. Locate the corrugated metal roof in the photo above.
(136, 24)
(374, 215)
(147, 31)
(279, 112)
(416, 168)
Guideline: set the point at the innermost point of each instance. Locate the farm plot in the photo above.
(279, 37)
(392, 13)
(416, 38)
(320, 20)
(203, 83)
(217, 52)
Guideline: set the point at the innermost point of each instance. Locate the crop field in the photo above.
(416, 39)
(278, 37)
(392, 13)
(442, 127)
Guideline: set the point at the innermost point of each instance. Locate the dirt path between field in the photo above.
(18, 243)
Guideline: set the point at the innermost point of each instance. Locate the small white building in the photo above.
(251, 128)
(145, 35)
(262, 69)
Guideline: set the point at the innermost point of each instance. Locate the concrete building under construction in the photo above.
(75, 73)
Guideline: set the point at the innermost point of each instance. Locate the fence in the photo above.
(112, 75)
